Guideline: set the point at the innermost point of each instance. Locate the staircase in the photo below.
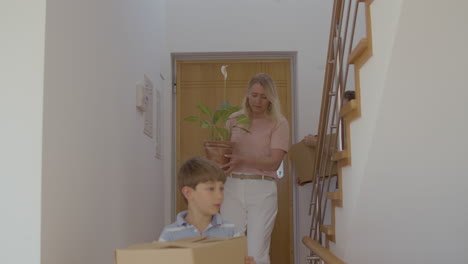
(347, 53)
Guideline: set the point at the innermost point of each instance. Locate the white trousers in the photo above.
(252, 205)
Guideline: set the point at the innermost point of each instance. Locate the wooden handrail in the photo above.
(322, 252)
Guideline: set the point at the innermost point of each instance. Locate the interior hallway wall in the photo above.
(412, 202)
(22, 40)
(264, 25)
(103, 188)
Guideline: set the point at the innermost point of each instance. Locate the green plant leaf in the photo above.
(232, 110)
(223, 133)
(204, 123)
(235, 108)
(204, 109)
(242, 119)
(216, 120)
(224, 115)
(217, 115)
(192, 118)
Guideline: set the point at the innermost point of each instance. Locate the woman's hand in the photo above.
(250, 260)
(234, 161)
(310, 140)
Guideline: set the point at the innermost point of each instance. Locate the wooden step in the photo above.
(358, 50)
(334, 196)
(336, 199)
(340, 155)
(328, 230)
(348, 108)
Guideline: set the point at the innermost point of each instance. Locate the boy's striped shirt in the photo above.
(218, 228)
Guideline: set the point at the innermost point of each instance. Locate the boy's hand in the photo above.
(250, 260)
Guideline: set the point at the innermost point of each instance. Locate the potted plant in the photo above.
(219, 143)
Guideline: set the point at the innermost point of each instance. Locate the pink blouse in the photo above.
(264, 136)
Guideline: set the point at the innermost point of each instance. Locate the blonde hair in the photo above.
(198, 170)
(273, 111)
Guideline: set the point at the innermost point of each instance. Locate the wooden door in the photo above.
(202, 81)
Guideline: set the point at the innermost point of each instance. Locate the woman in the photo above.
(250, 190)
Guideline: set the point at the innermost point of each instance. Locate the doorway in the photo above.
(200, 80)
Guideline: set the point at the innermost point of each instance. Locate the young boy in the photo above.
(201, 183)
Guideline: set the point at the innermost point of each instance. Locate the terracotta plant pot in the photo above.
(215, 150)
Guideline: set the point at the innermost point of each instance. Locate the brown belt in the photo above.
(251, 177)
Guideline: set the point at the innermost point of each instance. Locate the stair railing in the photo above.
(331, 125)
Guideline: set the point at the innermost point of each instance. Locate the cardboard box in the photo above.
(198, 250)
(302, 158)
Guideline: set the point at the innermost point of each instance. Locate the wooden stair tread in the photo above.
(334, 196)
(348, 108)
(358, 50)
(340, 155)
(329, 230)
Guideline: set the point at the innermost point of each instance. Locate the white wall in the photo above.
(264, 25)
(412, 203)
(22, 27)
(103, 188)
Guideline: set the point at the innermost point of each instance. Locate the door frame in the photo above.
(291, 55)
